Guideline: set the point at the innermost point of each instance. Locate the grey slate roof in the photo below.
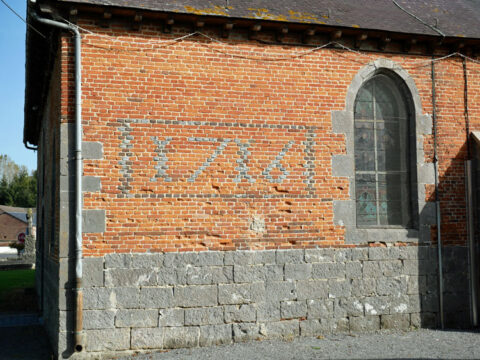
(19, 216)
(19, 213)
(455, 18)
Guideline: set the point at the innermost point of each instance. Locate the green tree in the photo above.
(8, 168)
(23, 190)
(17, 188)
(6, 197)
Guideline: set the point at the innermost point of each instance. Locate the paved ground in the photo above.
(420, 344)
(24, 343)
(29, 342)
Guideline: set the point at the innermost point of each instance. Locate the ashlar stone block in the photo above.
(377, 305)
(395, 286)
(107, 340)
(147, 338)
(241, 293)
(155, 297)
(364, 287)
(246, 332)
(268, 311)
(249, 273)
(350, 307)
(287, 329)
(298, 271)
(98, 298)
(181, 337)
(364, 324)
(204, 316)
(328, 270)
(240, 313)
(280, 290)
(319, 255)
(319, 309)
(397, 321)
(194, 296)
(293, 309)
(136, 318)
(129, 277)
(146, 261)
(317, 327)
(215, 335)
(339, 288)
(98, 319)
(313, 289)
(290, 256)
(171, 317)
(92, 272)
(125, 297)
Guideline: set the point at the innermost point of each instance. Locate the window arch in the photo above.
(383, 156)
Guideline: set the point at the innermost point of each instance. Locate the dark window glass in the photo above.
(382, 169)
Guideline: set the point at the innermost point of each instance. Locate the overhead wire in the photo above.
(251, 55)
(418, 19)
(163, 43)
(21, 18)
(156, 44)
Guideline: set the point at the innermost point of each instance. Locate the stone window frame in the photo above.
(399, 96)
(344, 165)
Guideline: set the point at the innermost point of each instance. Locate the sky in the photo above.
(12, 85)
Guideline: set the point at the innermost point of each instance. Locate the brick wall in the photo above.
(193, 146)
(10, 227)
(208, 151)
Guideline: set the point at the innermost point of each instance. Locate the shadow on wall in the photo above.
(455, 254)
(68, 265)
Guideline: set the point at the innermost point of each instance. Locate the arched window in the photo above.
(382, 154)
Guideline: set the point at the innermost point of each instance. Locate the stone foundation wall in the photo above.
(172, 300)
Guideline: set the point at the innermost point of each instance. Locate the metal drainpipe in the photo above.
(471, 243)
(469, 201)
(78, 335)
(437, 200)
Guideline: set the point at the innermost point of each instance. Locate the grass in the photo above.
(17, 291)
(16, 279)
